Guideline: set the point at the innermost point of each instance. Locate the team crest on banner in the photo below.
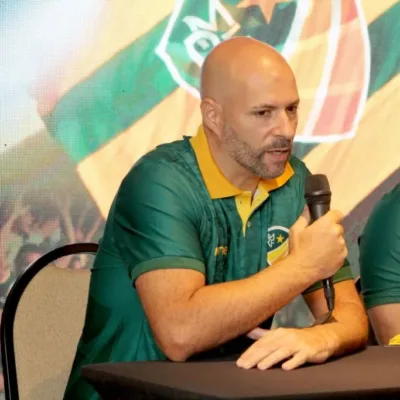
(194, 29)
(328, 78)
(277, 244)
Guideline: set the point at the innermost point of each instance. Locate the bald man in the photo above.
(195, 255)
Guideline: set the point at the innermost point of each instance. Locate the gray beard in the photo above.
(252, 159)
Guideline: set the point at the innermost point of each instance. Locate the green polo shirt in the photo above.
(380, 252)
(175, 209)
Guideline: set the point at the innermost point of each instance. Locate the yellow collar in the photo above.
(217, 184)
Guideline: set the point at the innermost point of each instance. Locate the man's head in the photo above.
(249, 103)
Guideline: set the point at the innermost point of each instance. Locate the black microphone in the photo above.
(318, 198)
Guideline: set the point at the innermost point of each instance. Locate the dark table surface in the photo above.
(373, 373)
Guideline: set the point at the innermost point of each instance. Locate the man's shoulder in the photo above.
(390, 201)
(387, 210)
(174, 160)
(178, 154)
(380, 238)
(169, 167)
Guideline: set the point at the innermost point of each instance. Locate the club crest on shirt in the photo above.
(277, 244)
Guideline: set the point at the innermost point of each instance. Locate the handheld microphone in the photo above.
(318, 198)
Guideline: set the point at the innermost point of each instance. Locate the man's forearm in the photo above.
(348, 330)
(220, 312)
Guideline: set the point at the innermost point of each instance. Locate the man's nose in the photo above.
(286, 124)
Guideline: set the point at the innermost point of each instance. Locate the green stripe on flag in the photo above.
(109, 101)
(383, 35)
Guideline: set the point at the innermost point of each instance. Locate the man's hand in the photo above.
(320, 247)
(294, 346)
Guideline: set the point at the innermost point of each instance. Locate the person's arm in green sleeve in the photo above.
(380, 267)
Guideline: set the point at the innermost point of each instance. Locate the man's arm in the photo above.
(188, 317)
(385, 320)
(380, 266)
(347, 332)
(348, 329)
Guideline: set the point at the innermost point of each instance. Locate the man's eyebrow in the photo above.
(272, 106)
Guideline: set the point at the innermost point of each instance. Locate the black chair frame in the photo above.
(11, 305)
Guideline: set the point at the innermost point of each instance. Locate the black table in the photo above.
(370, 374)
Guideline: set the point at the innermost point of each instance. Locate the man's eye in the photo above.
(293, 109)
(263, 113)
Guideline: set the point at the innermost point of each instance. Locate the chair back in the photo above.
(41, 325)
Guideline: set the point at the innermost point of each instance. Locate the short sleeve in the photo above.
(343, 274)
(380, 253)
(156, 221)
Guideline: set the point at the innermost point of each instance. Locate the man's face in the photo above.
(261, 122)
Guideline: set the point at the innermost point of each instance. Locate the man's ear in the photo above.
(212, 115)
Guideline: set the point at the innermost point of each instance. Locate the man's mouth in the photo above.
(278, 151)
